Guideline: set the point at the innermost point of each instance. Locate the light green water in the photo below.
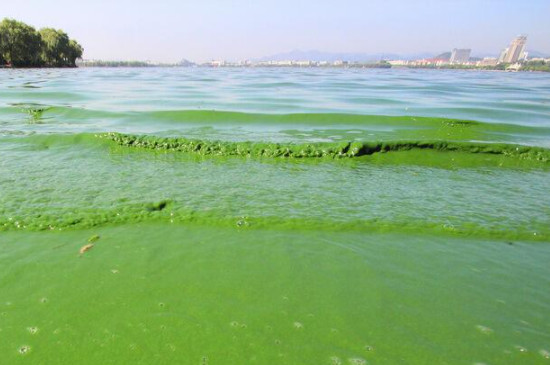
(274, 217)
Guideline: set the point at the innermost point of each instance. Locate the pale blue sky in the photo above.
(168, 30)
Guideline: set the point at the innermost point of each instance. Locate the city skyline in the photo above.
(168, 31)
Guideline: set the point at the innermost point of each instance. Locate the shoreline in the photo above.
(397, 68)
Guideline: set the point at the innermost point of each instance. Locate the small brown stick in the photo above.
(86, 248)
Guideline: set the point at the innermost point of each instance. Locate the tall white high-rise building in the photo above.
(460, 55)
(515, 51)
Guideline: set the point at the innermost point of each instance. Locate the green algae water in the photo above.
(274, 216)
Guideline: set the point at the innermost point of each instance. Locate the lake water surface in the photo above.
(274, 216)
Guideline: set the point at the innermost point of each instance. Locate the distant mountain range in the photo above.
(536, 54)
(314, 55)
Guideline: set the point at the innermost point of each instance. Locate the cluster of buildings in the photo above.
(510, 58)
(458, 57)
(283, 63)
(511, 55)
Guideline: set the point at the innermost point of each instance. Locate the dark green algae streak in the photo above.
(316, 150)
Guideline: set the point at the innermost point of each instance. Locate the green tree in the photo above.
(20, 44)
(74, 52)
(55, 46)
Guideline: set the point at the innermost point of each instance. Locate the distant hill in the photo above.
(314, 55)
(444, 56)
(185, 63)
(537, 54)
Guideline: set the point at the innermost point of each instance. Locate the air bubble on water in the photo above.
(171, 347)
(521, 349)
(298, 325)
(43, 300)
(243, 325)
(114, 271)
(544, 353)
(449, 226)
(357, 361)
(24, 349)
(234, 324)
(335, 360)
(483, 329)
(32, 330)
(204, 360)
(369, 348)
(161, 305)
(243, 222)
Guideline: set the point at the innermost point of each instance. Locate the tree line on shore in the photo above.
(21, 45)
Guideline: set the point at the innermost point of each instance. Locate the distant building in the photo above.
(487, 61)
(217, 63)
(460, 55)
(515, 52)
(303, 63)
(398, 62)
(340, 63)
(283, 63)
(503, 54)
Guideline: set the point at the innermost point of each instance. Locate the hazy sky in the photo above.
(169, 30)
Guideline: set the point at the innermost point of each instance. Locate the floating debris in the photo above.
(94, 238)
(24, 349)
(483, 329)
(85, 248)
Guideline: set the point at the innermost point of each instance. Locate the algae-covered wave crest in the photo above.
(318, 150)
(168, 211)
